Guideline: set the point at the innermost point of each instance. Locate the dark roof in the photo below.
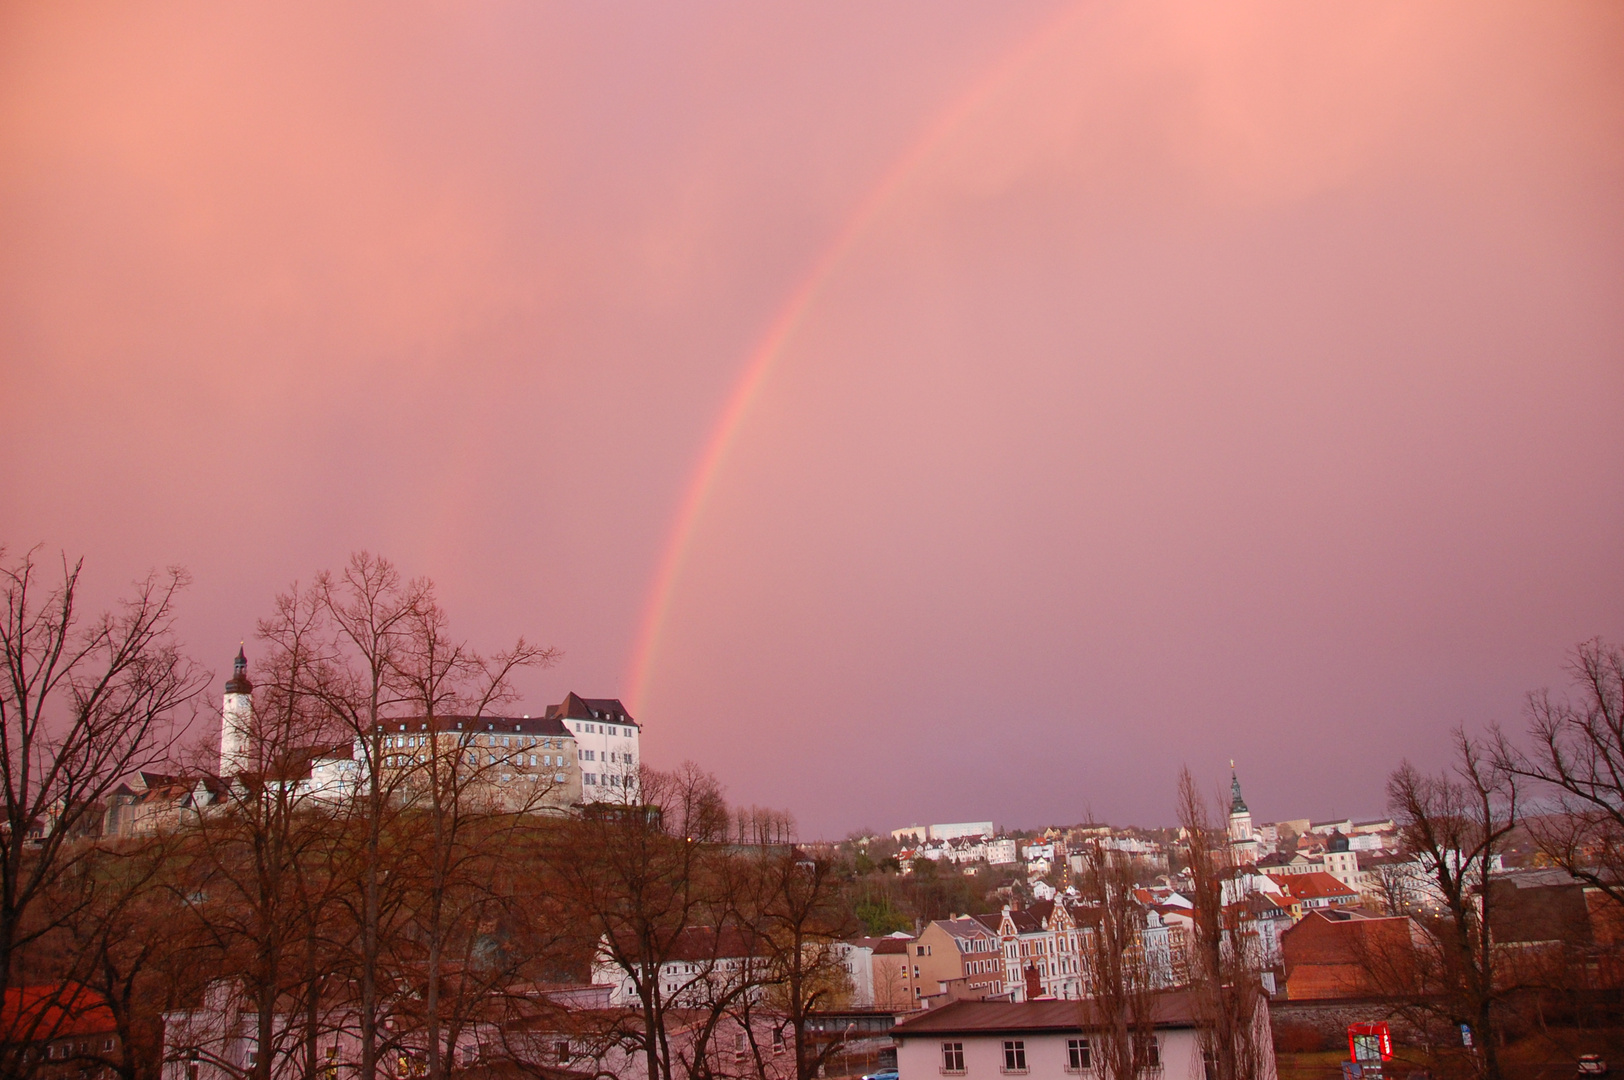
(575, 707)
(1025, 922)
(970, 926)
(1173, 1009)
(238, 683)
(477, 725)
(883, 945)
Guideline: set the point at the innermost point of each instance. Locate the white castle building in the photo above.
(581, 751)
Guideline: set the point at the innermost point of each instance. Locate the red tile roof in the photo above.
(1317, 885)
(38, 1013)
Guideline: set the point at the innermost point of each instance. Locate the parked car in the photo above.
(883, 1074)
(1592, 1065)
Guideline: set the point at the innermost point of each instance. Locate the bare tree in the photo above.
(637, 878)
(115, 898)
(1119, 984)
(458, 829)
(1224, 957)
(1456, 823)
(368, 611)
(801, 922)
(1578, 755)
(83, 703)
(258, 875)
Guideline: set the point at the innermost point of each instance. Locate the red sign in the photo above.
(1370, 1042)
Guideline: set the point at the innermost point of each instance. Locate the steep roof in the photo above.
(575, 707)
(968, 926)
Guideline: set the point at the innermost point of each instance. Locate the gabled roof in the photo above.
(968, 926)
(575, 707)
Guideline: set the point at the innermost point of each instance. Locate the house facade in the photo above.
(1050, 1040)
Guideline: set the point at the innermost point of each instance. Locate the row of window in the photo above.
(613, 757)
(604, 729)
(58, 1051)
(1079, 1056)
(606, 780)
(523, 742)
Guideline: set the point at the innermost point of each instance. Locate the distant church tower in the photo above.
(236, 720)
(1241, 839)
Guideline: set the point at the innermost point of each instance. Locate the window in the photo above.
(1148, 1053)
(1014, 1055)
(563, 1050)
(1079, 1055)
(953, 1057)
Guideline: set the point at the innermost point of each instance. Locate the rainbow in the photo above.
(791, 315)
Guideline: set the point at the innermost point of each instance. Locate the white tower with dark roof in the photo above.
(237, 720)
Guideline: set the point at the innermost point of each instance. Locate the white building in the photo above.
(1051, 1040)
(583, 750)
(963, 828)
(1000, 850)
(701, 965)
(606, 738)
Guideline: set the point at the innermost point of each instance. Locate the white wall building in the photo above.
(1049, 1040)
(607, 743)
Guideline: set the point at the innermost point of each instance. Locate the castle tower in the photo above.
(236, 720)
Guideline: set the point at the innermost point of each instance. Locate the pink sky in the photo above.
(922, 411)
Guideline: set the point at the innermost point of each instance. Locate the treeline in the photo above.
(411, 911)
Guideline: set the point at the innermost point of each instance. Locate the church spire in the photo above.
(1237, 805)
